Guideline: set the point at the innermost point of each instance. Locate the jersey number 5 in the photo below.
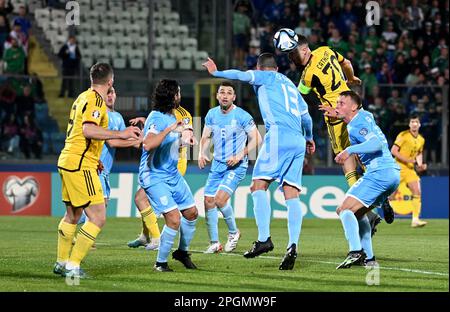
(71, 120)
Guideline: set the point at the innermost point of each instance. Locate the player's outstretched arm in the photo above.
(152, 140)
(92, 131)
(232, 74)
(203, 149)
(349, 73)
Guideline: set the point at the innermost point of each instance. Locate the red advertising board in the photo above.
(25, 193)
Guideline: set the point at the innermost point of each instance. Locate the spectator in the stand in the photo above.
(428, 36)
(25, 103)
(23, 20)
(425, 67)
(379, 59)
(384, 76)
(20, 36)
(287, 18)
(252, 57)
(442, 60)
(7, 101)
(373, 38)
(346, 18)
(70, 56)
(413, 60)
(369, 79)
(337, 43)
(274, 11)
(416, 14)
(241, 33)
(437, 50)
(266, 39)
(394, 99)
(10, 134)
(401, 69)
(6, 8)
(30, 138)
(354, 44)
(302, 28)
(390, 36)
(4, 33)
(14, 58)
(413, 77)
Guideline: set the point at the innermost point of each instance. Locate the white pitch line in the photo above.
(334, 263)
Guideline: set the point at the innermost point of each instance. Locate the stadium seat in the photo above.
(185, 60)
(93, 15)
(85, 28)
(109, 42)
(160, 43)
(133, 29)
(173, 18)
(136, 63)
(119, 62)
(42, 14)
(199, 58)
(189, 44)
(183, 31)
(117, 30)
(111, 16)
(173, 43)
(142, 42)
(124, 42)
(168, 31)
(58, 15)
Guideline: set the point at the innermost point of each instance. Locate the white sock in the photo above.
(142, 238)
(62, 263)
(71, 266)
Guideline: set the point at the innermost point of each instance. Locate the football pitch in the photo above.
(410, 260)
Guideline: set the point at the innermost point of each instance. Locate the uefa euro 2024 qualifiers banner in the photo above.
(319, 197)
(39, 193)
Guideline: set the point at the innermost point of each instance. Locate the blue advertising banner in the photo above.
(319, 198)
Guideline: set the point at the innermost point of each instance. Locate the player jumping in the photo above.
(229, 127)
(379, 181)
(324, 73)
(280, 159)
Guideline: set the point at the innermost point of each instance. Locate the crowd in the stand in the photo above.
(20, 98)
(408, 48)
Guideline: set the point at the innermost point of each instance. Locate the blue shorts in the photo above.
(170, 194)
(281, 159)
(104, 180)
(222, 177)
(374, 187)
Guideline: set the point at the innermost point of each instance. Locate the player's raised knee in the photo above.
(190, 214)
(220, 201)
(210, 202)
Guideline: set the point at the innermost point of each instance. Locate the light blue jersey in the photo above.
(229, 131)
(363, 128)
(159, 164)
(229, 136)
(116, 123)
(382, 175)
(279, 100)
(286, 119)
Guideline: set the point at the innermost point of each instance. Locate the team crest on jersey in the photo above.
(96, 114)
(363, 131)
(186, 120)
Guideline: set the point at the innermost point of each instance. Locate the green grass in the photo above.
(410, 259)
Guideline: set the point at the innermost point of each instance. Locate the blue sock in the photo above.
(295, 218)
(187, 230)
(212, 220)
(228, 215)
(351, 229)
(166, 242)
(262, 211)
(365, 236)
(83, 218)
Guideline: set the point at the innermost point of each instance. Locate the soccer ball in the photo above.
(285, 40)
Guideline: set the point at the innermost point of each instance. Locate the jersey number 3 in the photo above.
(291, 100)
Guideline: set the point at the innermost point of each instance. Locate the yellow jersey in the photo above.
(183, 115)
(323, 74)
(409, 146)
(80, 152)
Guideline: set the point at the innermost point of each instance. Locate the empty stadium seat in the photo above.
(185, 60)
(199, 58)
